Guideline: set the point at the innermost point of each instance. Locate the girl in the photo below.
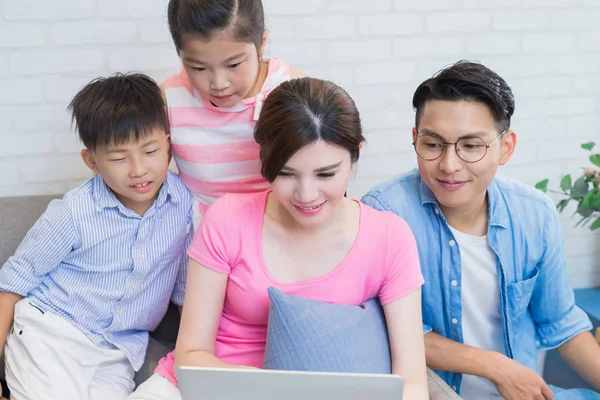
(215, 101)
(302, 237)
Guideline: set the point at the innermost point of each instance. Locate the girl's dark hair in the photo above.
(118, 109)
(300, 112)
(244, 19)
(468, 81)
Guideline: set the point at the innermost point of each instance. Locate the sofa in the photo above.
(18, 214)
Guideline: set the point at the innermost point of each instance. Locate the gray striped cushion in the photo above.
(311, 335)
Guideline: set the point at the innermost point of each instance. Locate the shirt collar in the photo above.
(105, 198)
(498, 209)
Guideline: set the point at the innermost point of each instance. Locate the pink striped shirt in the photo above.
(213, 147)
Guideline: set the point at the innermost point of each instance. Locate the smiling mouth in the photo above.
(309, 208)
(141, 185)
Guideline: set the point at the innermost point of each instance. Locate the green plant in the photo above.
(584, 191)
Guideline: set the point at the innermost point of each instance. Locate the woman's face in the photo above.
(313, 182)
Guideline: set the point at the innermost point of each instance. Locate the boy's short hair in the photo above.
(117, 109)
(468, 81)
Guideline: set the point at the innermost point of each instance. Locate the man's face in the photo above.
(456, 183)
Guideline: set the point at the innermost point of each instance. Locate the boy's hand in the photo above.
(515, 381)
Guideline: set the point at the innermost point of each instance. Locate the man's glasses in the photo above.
(469, 148)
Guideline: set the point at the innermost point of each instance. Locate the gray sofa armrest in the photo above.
(438, 389)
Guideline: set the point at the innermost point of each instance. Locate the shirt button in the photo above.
(454, 283)
(451, 243)
(454, 321)
(131, 286)
(437, 212)
(544, 341)
(117, 310)
(537, 342)
(454, 387)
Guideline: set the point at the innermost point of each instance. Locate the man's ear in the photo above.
(89, 160)
(509, 142)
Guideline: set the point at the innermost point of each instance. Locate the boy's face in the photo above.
(457, 184)
(134, 171)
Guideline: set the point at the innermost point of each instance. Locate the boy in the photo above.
(98, 269)
(496, 283)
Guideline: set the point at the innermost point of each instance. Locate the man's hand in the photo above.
(515, 381)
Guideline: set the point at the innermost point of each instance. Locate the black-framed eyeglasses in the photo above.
(469, 148)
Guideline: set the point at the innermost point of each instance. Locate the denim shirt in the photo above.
(536, 299)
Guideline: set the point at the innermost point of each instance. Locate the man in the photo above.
(496, 283)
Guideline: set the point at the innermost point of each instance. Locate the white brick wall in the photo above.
(548, 50)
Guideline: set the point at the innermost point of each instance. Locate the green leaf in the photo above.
(585, 212)
(588, 146)
(565, 183)
(595, 159)
(585, 202)
(562, 205)
(579, 189)
(542, 185)
(596, 224)
(594, 201)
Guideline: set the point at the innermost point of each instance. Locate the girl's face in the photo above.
(222, 69)
(313, 182)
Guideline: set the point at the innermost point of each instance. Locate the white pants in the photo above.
(156, 388)
(47, 358)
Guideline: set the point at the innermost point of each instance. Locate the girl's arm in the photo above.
(203, 305)
(404, 324)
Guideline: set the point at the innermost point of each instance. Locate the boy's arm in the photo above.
(513, 380)
(7, 312)
(43, 248)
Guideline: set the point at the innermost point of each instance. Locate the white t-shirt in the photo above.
(481, 318)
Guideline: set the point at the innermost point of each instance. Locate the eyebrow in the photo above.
(478, 134)
(229, 59)
(148, 144)
(322, 169)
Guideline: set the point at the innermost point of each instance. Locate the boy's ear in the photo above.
(89, 160)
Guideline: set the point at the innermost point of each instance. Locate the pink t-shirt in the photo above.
(383, 262)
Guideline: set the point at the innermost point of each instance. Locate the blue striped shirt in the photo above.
(102, 267)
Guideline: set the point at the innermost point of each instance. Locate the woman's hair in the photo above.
(243, 19)
(300, 112)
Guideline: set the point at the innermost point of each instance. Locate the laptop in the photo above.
(200, 383)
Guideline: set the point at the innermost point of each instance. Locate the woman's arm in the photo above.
(404, 323)
(205, 294)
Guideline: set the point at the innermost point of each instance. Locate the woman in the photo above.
(302, 237)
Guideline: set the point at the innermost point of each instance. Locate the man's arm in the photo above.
(513, 380)
(447, 355)
(582, 353)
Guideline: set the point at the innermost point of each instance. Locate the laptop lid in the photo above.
(199, 383)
